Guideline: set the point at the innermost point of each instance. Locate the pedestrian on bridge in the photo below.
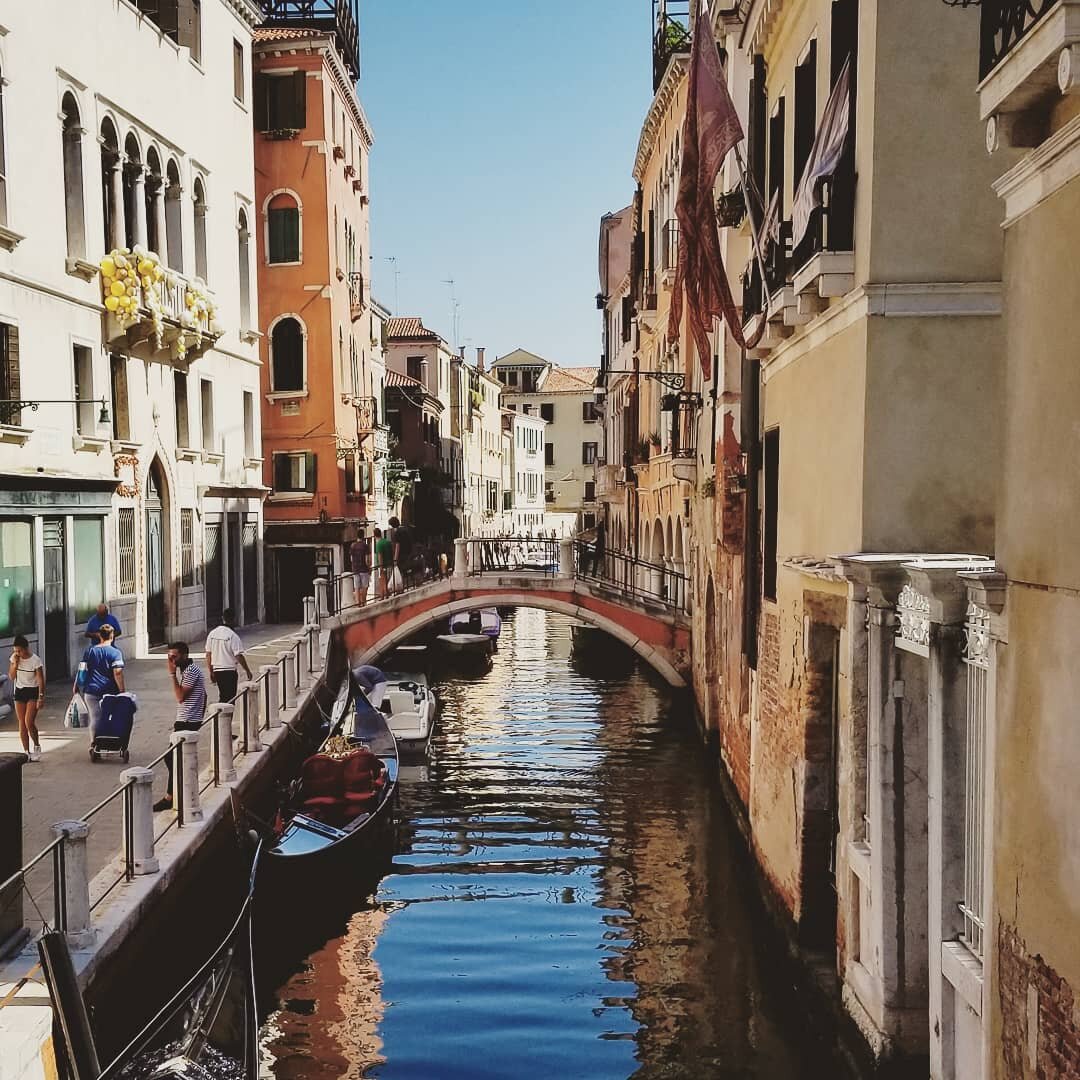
(360, 564)
(384, 562)
(189, 689)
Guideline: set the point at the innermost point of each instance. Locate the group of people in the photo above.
(394, 560)
(101, 672)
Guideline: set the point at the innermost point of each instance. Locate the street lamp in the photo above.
(673, 379)
(11, 404)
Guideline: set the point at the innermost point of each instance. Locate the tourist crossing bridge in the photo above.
(645, 605)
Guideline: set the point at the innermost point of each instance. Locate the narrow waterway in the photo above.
(569, 898)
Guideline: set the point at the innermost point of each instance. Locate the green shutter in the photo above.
(309, 473)
(262, 118)
(299, 101)
(281, 472)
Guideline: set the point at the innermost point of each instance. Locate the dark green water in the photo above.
(569, 899)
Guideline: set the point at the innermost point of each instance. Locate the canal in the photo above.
(569, 898)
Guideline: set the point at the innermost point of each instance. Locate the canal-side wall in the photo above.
(131, 915)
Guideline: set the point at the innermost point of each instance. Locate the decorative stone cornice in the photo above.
(913, 632)
(661, 102)
(978, 641)
(248, 11)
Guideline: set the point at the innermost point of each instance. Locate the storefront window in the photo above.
(89, 566)
(16, 578)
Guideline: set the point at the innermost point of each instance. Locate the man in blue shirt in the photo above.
(102, 617)
(104, 674)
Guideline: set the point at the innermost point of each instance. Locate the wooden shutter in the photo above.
(309, 472)
(282, 481)
(9, 372)
(758, 121)
(261, 92)
(298, 109)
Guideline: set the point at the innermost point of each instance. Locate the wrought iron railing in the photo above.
(670, 244)
(1003, 25)
(514, 555)
(356, 294)
(671, 35)
(659, 582)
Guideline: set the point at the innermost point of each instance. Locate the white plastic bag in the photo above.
(77, 715)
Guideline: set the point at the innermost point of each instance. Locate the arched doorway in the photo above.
(155, 505)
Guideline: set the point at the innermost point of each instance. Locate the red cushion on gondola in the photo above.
(322, 777)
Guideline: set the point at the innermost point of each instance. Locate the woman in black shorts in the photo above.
(27, 672)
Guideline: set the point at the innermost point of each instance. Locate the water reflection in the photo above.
(569, 900)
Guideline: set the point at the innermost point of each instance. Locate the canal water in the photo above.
(569, 898)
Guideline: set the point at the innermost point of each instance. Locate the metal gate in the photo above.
(54, 586)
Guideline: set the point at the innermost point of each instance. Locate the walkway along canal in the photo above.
(570, 898)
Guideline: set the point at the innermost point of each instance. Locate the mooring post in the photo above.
(72, 882)
(315, 606)
(461, 560)
(288, 666)
(270, 700)
(566, 557)
(140, 826)
(188, 741)
(250, 718)
(226, 770)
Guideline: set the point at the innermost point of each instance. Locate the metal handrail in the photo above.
(510, 555)
(623, 571)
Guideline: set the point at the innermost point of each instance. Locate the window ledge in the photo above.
(286, 395)
(826, 274)
(10, 240)
(188, 453)
(253, 462)
(213, 457)
(291, 262)
(124, 446)
(858, 857)
(88, 443)
(250, 336)
(11, 433)
(964, 971)
(291, 497)
(80, 268)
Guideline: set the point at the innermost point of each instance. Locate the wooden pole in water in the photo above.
(68, 1005)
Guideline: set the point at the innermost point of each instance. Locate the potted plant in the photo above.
(279, 134)
(730, 209)
(654, 439)
(708, 487)
(643, 449)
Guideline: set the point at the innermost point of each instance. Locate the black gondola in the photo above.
(342, 806)
(208, 1031)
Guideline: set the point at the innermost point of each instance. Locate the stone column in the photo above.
(348, 593)
(315, 606)
(116, 186)
(188, 741)
(461, 560)
(269, 695)
(141, 825)
(139, 199)
(566, 557)
(250, 717)
(159, 221)
(288, 665)
(75, 900)
(225, 764)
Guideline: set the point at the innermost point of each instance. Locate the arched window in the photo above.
(174, 218)
(112, 194)
(287, 356)
(155, 202)
(134, 207)
(74, 209)
(198, 196)
(283, 229)
(243, 239)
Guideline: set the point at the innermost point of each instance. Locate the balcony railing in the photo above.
(671, 22)
(356, 295)
(1004, 24)
(366, 414)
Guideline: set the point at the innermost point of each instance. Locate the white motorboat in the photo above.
(470, 644)
(410, 708)
(486, 621)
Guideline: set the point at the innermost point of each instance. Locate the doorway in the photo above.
(236, 583)
(155, 558)
(295, 573)
(54, 586)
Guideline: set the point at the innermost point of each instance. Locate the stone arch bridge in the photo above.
(641, 604)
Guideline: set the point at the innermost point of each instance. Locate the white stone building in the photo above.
(565, 398)
(131, 126)
(523, 474)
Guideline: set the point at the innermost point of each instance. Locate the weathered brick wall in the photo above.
(734, 695)
(1030, 992)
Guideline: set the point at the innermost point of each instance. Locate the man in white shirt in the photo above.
(224, 651)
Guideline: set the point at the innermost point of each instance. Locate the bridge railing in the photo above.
(653, 581)
(348, 590)
(513, 555)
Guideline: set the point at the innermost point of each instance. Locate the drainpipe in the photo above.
(751, 433)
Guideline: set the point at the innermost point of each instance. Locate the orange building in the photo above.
(321, 382)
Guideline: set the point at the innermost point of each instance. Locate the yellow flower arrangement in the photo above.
(128, 276)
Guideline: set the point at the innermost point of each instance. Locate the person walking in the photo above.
(600, 551)
(189, 689)
(102, 617)
(224, 650)
(27, 672)
(403, 551)
(360, 564)
(104, 674)
(384, 560)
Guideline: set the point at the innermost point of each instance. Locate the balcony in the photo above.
(671, 35)
(155, 313)
(366, 413)
(1029, 54)
(381, 441)
(340, 18)
(356, 295)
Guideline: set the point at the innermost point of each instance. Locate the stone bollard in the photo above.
(269, 695)
(250, 716)
(141, 825)
(566, 558)
(75, 901)
(191, 804)
(225, 765)
(461, 560)
(311, 638)
(288, 666)
(315, 606)
(299, 648)
(348, 592)
(11, 848)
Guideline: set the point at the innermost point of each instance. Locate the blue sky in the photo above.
(503, 130)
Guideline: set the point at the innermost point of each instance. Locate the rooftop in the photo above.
(569, 380)
(410, 327)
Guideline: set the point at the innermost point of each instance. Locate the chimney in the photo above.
(480, 360)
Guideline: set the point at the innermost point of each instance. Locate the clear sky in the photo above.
(504, 129)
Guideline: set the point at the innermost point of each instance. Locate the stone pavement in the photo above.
(65, 783)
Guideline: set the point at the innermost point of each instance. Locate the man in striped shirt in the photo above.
(189, 688)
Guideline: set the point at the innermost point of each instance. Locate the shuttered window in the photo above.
(10, 384)
(281, 102)
(294, 472)
(283, 225)
(287, 352)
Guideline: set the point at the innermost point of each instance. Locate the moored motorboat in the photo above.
(410, 709)
(586, 636)
(469, 644)
(486, 621)
(342, 805)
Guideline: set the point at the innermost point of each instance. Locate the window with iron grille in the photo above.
(125, 546)
(10, 384)
(187, 548)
